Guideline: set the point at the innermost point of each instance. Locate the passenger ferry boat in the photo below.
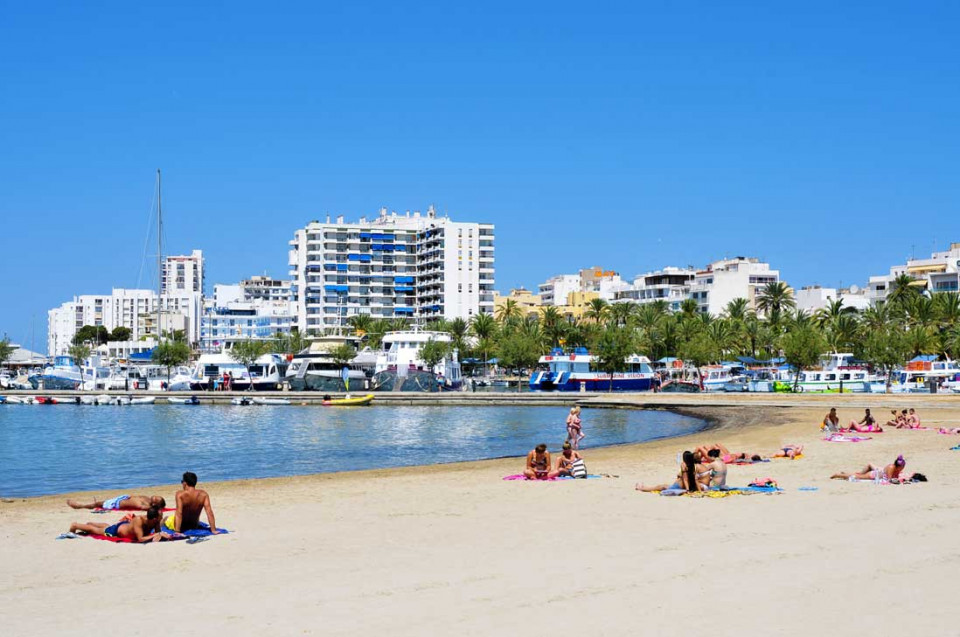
(918, 375)
(560, 371)
(839, 368)
(717, 377)
(400, 368)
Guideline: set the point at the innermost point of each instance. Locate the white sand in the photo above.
(454, 549)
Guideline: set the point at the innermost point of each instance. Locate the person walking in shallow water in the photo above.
(574, 428)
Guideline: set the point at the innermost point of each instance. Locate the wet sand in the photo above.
(453, 548)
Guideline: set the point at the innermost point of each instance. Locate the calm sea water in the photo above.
(45, 450)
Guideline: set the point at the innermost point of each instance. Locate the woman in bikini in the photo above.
(538, 464)
(870, 472)
(899, 420)
(867, 425)
(574, 429)
(686, 478)
(566, 459)
(789, 451)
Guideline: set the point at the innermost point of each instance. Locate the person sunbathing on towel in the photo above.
(788, 451)
(867, 425)
(123, 503)
(686, 479)
(870, 472)
(138, 528)
(566, 459)
(191, 501)
(949, 430)
(831, 422)
(728, 456)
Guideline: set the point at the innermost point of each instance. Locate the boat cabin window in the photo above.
(211, 370)
(829, 377)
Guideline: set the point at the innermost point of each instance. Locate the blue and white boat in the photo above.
(561, 371)
(63, 374)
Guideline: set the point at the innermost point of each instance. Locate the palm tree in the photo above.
(458, 328)
(774, 298)
(597, 310)
(841, 332)
(948, 309)
(921, 310)
(901, 290)
(620, 314)
(362, 324)
(799, 319)
(509, 311)
(722, 336)
(689, 308)
(877, 317)
(553, 325)
(483, 325)
(834, 310)
(737, 309)
(921, 340)
(379, 327)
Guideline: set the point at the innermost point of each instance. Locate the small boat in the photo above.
(87, 400)
(270, 401)
(19, 400)
(243, 402)
(46, 400)
(193, 400)
(349, 402)
(143, 400)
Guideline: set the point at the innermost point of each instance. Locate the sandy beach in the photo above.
(455, 549)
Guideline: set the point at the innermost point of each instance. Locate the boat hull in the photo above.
(593, 383)
(349, 402)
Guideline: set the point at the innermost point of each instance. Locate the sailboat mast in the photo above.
(159, 257)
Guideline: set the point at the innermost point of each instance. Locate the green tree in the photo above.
(552, 325)
(802, 349)
(246, 352)
(433, 352)
(79, 353)
(902, 291)
(884, 349)
(343, 354)
(483, 325)
(6, 350)
(737, 309)
(509, 311)
(518, 350)
(612, 349)
(622, 313)
(458, 329)
(120, 334)
(171, 354)
(774, 298)
(699, 350)
(597, 310)
(288, 343)
(362, 324)
(95, 334)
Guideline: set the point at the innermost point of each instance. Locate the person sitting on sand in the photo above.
(138, 528)
(538, 464)
(913, 420)
(123, 503)
(686, 478)
(870, 472)
(190, 502)
(831, 422)
(574, 428)
(714, 468)
(899, 420)
(867, 425)
(566, 459)
(789, 451)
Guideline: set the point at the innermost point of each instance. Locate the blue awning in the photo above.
(924, 358)
(142, 356)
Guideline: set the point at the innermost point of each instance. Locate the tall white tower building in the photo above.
(413, 266)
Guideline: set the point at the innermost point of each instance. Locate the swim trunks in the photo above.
(113, 504)
(114, 529)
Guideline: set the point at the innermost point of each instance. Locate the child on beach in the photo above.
(574, 429)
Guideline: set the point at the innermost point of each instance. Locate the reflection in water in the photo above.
(80, 447)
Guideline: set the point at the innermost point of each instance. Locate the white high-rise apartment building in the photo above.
(416, 266)
(181, 289)
(728, 279)
(255, 309)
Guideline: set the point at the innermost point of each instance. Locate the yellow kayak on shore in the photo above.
(349, 402)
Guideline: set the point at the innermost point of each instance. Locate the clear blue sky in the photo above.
(631, 135)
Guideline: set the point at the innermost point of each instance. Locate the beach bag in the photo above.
(578, 469)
